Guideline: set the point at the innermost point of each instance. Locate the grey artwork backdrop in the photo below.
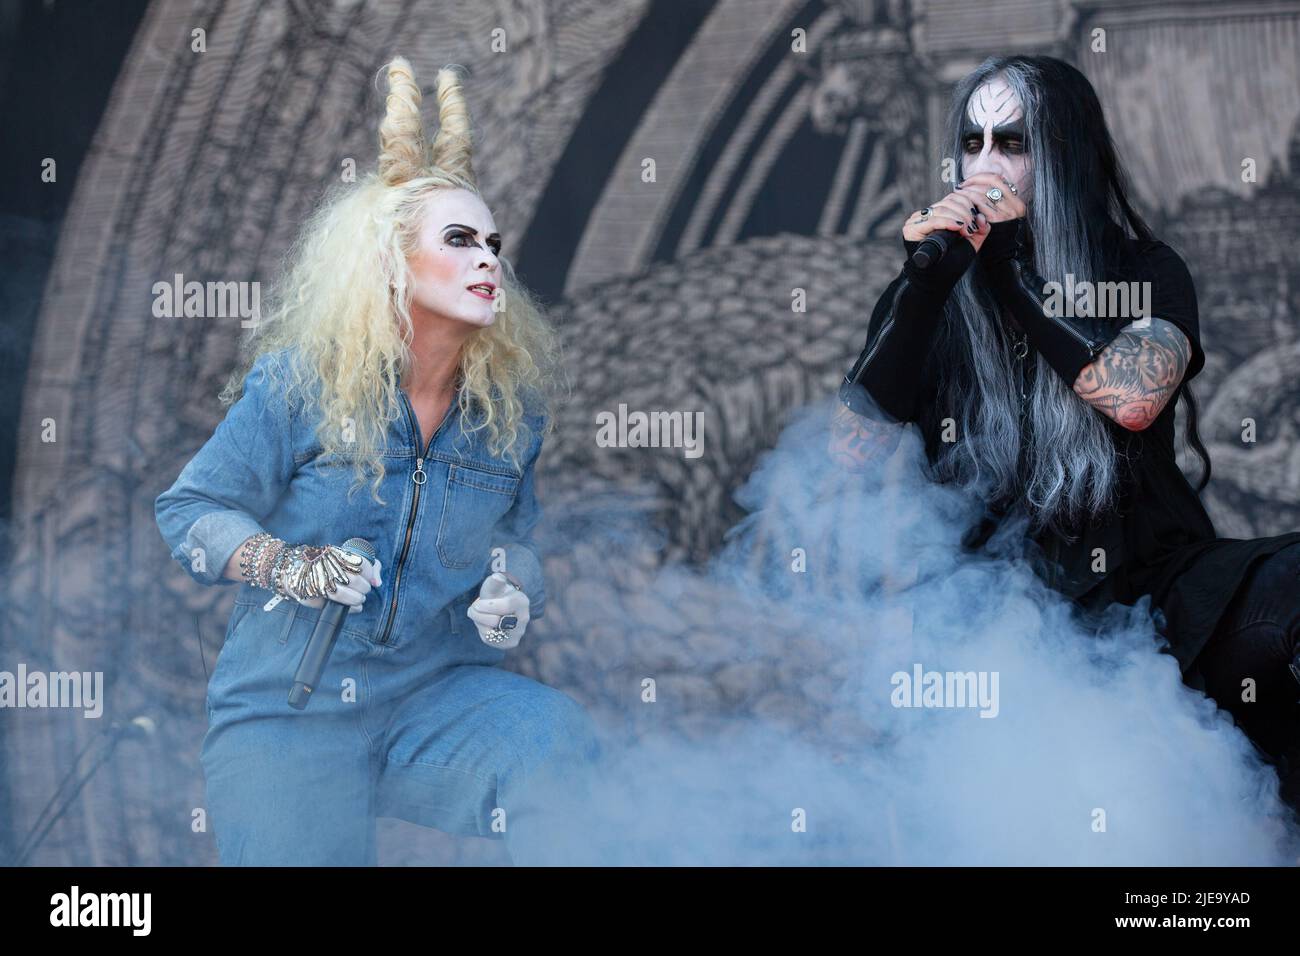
(776, 170)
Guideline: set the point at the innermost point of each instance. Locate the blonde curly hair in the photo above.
(342, 306)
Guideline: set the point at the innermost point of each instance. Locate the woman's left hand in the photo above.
(500, 613)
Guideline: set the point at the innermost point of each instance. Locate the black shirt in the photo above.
(1158, 540)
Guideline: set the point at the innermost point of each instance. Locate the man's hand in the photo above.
(974, 190)
(953, 212)
(857, 442)
(1133, 377)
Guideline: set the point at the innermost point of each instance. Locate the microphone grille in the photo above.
(360, 546)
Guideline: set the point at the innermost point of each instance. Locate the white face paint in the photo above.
(458, 248)
(993, 136)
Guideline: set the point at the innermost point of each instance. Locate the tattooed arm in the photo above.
(1133, 377)
(857, 442)
(1128, 374)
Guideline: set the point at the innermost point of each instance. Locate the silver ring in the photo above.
(925, 213)
(498, 635)
(1012, 187)
(994, 195)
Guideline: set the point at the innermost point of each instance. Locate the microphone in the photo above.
(321, 645)
(932, 248)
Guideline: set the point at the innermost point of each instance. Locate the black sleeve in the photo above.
(889, 376)
(1066, 341)
(1173, 296)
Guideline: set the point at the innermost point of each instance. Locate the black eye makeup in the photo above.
(1007, 143)
(463, 236)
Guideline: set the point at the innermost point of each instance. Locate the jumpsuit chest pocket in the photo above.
(472, 503)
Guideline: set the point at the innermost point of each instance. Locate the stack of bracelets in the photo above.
(301, 572)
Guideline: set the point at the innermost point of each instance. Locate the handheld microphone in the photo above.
(932, 248)
(321, 645)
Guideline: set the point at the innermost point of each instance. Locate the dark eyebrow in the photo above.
(1014, 128)
(471, 231)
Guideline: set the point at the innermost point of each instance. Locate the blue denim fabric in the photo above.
(262, 470)
(411, 719)
(470, 749)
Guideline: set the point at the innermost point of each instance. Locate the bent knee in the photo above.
(553, 722)
(1271, 583)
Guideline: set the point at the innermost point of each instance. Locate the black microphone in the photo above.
(932, 248)
(321, 645)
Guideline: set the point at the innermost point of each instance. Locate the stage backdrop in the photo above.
(775, 169)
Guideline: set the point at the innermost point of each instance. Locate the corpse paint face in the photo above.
(458, 249)
(993, 136)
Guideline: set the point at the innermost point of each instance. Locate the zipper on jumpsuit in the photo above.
(419, 477)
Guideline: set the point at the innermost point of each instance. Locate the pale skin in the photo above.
(458, 248)
(1129, 382)
(459, 245)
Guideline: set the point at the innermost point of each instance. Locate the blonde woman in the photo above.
(398, 391)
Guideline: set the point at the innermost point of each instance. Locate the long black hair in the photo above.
(1100, 175)
(1079, 214)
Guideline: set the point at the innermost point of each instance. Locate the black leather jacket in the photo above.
(887, 375)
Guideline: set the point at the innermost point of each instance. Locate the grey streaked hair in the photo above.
(1070, 468)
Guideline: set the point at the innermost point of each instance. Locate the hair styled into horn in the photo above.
(452, 147)
(342, 303)
(402, 152)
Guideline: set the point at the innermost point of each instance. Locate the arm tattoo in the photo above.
(857, 442)
(1134, 377)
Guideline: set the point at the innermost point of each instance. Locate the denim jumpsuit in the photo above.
(412, 718)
